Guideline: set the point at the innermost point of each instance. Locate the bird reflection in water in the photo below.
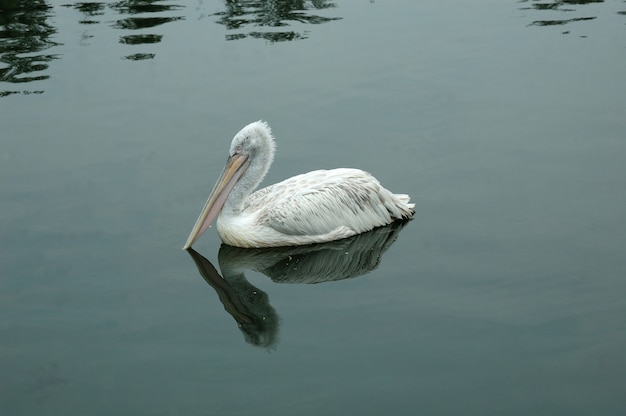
(316, 263)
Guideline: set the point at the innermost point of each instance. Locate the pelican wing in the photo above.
(323, 201)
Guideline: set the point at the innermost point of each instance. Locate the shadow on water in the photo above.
(25, 36)
(271, 14)
(317, 263)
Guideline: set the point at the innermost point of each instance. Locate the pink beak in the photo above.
(235, 167)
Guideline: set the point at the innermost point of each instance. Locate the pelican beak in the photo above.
(235, 167)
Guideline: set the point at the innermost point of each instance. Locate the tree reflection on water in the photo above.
(134, 16)
(559, 9)
(27, 28)
(28, 32)
(25, 33)
(271, 13)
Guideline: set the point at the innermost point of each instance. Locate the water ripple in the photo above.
(27, 29)
(25, 33)
(240, 15)
(561, 12)
(142, 15)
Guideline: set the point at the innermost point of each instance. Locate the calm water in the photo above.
(504, 120)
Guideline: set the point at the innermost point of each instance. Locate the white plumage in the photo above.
(314, 207)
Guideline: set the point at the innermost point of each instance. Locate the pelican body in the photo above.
(315, 207)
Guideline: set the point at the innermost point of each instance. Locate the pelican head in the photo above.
(250, 156)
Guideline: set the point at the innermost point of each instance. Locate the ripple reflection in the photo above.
(561, 12)
(272, 14)
(143, 15)
(25, 33)
(89, 10)
(27, 29)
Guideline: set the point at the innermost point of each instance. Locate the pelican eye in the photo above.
(239, 148)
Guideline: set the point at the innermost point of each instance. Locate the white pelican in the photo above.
(314, 207)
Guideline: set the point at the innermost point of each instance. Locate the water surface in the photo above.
(503, 120)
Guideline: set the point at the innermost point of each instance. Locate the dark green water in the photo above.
(505, 122)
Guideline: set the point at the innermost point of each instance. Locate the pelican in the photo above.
(315, 207)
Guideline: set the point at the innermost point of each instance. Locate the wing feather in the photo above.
(322, 201)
